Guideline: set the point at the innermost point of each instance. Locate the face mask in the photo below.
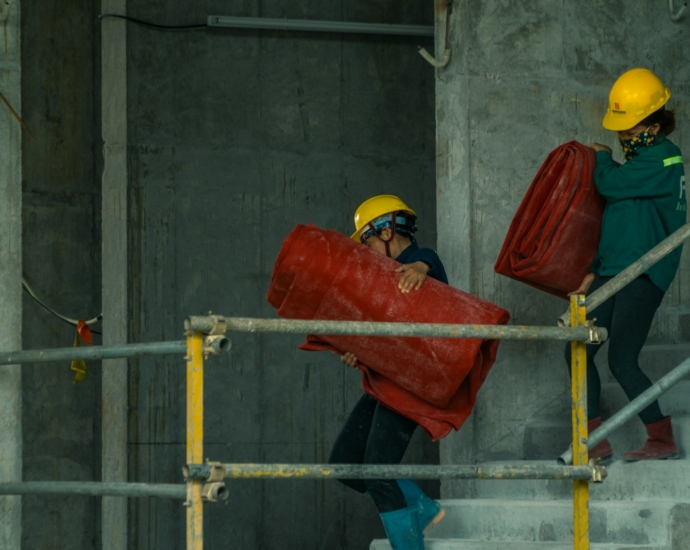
(630, 146)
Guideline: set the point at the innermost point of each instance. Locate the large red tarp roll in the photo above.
(434, 381)
(554, 235)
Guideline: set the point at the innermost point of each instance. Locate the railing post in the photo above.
(195, 437)
(578, 317)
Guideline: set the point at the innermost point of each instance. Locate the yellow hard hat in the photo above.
(376, 207)
(635, 95)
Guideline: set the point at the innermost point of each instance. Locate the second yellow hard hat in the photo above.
(634, 96)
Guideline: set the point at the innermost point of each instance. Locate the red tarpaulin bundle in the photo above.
(554, 235)
(434, 381)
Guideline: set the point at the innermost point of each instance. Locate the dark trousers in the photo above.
(374, 434)
(627, 316)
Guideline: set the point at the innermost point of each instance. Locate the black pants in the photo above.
(627, 316)
(374, 434)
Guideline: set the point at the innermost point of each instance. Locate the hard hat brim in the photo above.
(620, 123)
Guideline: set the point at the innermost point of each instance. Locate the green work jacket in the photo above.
(645, 203)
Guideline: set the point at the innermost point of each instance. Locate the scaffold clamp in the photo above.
(217, 471)
(214, 492)
(599, 473)
(216, 344)
(594, 335)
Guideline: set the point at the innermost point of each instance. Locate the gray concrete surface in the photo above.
(234, 138)
(10, 277)
(61, 260)
(525, 77)
(115, 268)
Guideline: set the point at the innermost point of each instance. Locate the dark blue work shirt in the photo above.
(414, 254)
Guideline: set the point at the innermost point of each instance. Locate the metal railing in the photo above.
(598, 297)
(199, 475)
(205, 482)
(633, 271)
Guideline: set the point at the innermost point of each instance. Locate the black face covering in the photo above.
(630, 146)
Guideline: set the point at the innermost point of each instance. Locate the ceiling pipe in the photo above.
(317, 26)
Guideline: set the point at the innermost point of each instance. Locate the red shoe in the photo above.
(659, 445)
(602, 451)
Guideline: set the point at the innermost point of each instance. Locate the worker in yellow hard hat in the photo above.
(387, 225)
(645, 203)
(373, 433)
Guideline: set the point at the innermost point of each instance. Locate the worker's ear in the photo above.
(386, 234)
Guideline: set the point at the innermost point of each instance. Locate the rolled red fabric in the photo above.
(434, 381)
(555, 233)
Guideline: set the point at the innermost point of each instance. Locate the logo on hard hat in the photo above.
(616, 106)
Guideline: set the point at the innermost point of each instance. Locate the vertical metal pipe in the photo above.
(195, 437)
(578, 317)
(11, 277)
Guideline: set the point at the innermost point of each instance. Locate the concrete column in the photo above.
(114, 267)
(454, 201)
(10, 276)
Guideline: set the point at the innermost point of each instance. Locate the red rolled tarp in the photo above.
(555, 233)
(434, 381)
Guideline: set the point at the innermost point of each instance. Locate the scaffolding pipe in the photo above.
(578, 317)
(638, 404)
(94, 489)
(262, 23)
(209, 323)
(632, 272)
(94, 352)
(396, 471)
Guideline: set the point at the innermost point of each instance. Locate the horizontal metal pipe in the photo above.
(631, 409)
(365, 328)
(632, 272)
(371, 471)
(94, 488)
(318, 26)
(93, 352)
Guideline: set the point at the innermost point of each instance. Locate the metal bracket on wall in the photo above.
(446, 50)
(676, 15)
(5, 11)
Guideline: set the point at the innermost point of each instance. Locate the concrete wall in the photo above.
(526, 76)
(10, 275)
(235, 137)
(61, 255)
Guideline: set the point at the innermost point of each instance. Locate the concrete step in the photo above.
(643, 481)
(547, 438)
(621, 522)
(457, 544)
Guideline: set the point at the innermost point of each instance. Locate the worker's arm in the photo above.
(637, 178)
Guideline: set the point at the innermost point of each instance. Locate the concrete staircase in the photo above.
(640, 506)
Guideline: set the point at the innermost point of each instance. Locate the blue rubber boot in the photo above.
(430, 511)
(403, 529)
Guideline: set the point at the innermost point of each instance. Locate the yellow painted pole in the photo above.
(578, 317)
(195, 437)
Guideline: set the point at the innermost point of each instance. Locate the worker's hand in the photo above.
(599, 147)
(413, 276)
(584, 286)
(349, 359)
